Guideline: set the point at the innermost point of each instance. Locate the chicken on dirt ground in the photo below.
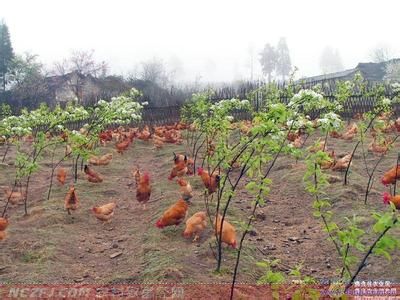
(174, 215)
(391, 176)
(185, 189)
(143, 187)
(210, 182)
(387, 198)
(61, 175)
(228, 231)
(105, 212)
(195, 225)
(71, 201)
(92, 176)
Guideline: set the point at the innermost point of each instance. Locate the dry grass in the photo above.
(50, 246)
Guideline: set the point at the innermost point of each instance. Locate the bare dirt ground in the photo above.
(48, 245)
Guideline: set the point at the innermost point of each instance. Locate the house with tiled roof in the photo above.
(374, 72)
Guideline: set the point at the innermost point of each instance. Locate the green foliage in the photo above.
(24, 165)
(308, 100)
(304, 291)
(26, 80)
(196, 110)
(6, 53)
(5, 111)
(256, 151)
(120, 110)
(344, 89)
(270, 276)
(387, 243)
(43, 123)
(347, 238)
(304, 279)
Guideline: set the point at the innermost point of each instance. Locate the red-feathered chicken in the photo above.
(14, 197)
(102, 160)
(180, 157)
(145, 134)
(174, 215)
(228, 231)
(92, 176)
(105, 136)
(387, 198)
(195, 225)
(104, 212)
(64, 136)
(179, 170)
(61, 175)
(391, 176)
(190, 165)
(342, 163)
(71, 201)
(143, 188)
(185, 189)
(210, 182)
(122, 146)
(3, 224)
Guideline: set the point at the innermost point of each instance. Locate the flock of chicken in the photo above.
(298, 140)
(379, 145)
(184, 166)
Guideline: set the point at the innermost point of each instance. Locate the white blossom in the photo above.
(386, 101)
(330, 119)
(396, 87)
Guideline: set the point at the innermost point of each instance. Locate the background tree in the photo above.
(154, 70)
(268, 60)
(176, 69)
(154, 79)
(82, 62)
(6, 53)
(78, 68)
(330, 61)
(284, 64)
(380, 54)
(27, 80)
(393, 71)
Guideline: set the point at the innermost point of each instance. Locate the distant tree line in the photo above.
(25, 82)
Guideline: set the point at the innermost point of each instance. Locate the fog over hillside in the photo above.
(202, 40)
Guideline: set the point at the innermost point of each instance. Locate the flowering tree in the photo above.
(40, 124)
(45, 125)
(121, 110)
(255, 154)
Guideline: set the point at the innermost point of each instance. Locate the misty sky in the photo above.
(211, 39)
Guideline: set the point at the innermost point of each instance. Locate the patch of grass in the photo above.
(156, 262)
(31, 256)
(38, 256)
(223, 271)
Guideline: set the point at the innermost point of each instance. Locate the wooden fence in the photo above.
(357, 103)
(158, 116)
